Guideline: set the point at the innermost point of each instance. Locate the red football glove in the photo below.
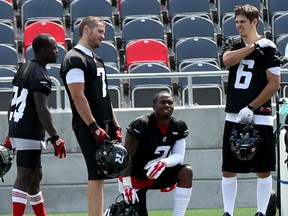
(156, 169)
(118, 134)
(7, 143)
(130, 195)
(98, 133)
(59, 146)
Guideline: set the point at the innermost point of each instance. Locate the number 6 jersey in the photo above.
(248, 78)
(23, 119)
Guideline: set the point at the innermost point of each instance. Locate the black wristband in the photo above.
(93, 125)
(54, 138)
(251, 108)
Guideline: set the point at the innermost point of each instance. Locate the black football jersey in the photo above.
(23, 119)
(153, 145)
(248, 78)
(96, 87)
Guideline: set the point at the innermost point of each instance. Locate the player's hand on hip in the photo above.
(245, 115)
(263, 42)
(118, 134)
(98, 133)
(129, 193)
(58, 145)
(156, 169)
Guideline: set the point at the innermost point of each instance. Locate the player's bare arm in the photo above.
(131, 144)
(270, 89)
(231, 58)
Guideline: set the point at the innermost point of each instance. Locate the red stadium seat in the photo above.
(32, 30)
(146, 50)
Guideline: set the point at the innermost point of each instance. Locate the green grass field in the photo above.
(190, 212)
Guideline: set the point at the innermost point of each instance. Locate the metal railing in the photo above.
(57, 88)
(188, 75)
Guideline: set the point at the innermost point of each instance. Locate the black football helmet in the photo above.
(121, 208)
(5, 160)
(244, 141)
(112, 159)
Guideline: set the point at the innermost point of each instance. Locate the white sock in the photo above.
(181, 200)
(229, 192)
(264, 189)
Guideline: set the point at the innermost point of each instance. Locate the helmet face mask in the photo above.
(121, 208)
(5, 160)
(244, 141)
(112, 159)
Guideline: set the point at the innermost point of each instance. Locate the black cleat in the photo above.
(259, 214)
(226, 214)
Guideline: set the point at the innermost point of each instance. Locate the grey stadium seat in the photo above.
(195, 48)
(8, 55)
(130, 9)
(142, 28)
(35, 10)
(142, 90)
(7, 35)
(207, 90)
(192, 26)
(83, 8)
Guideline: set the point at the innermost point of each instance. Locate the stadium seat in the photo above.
(131, 9)
(195, 49)
(142, 28)
(114, 86)
(57, 100)
(83, 8)
(275, 7)
(281, 44)
(278, 24)
(180, 8)
(35, 10)
(146, 51)
(56, 30)
(206, 90)
(192, 26)
(142, 90)
(6, 13)
(6, 87)
(8, 55)
(7, 35)
(108, 52)
(112, 69)
(226, 7)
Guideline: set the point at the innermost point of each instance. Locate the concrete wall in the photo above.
(64, 181)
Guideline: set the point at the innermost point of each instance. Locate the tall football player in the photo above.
(156, 144)
(85, 80)
(29, 118)
(254, 77)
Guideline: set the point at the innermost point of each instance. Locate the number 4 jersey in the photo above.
(23, 118)
(248, 78)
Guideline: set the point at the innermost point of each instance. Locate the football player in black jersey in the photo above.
(29, 118)
(156, 144)
(254, 77)
(85, 80)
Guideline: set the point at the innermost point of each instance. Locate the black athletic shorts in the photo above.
(89, 147)
(29, 159)
(264, 159)
(168, 178)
